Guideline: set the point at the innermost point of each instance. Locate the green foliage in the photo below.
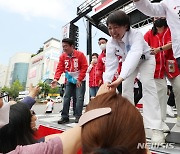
(44, 88)
(39, 51)
(14, 90)
(33, 55)
(54, 90)
(5, 89)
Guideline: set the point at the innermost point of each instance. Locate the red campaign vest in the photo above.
(76, 63)
(162, 57)
(93, 77)
(101, 66)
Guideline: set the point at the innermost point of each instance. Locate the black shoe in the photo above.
(63, 120)
(77, 120)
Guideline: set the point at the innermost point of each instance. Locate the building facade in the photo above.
(18, 68)
(20, 73)
(3, 75)
(43, 65)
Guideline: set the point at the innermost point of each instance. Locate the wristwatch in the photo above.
(161, 49)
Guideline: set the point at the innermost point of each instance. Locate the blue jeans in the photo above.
(93, 91)
(70, 88)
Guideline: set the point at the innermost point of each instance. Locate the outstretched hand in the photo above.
(115, 83)
(33, 91)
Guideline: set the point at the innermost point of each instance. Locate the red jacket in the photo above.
(75, 65)
(101, 66)
(156, 41)
(93, 75)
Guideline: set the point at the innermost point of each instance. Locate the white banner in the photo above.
(65, 31)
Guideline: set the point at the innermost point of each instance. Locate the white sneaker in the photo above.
(165, 127)
(157, 137)
(170, 111)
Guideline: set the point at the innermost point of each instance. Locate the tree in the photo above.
(40, 50)
(44, 88)
(33, 55)
(14, 90)
(54, 90)
(5, 89)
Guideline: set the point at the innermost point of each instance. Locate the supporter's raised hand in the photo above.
(33, 91)
(103, 89)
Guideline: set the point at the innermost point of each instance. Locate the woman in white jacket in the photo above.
(169, 9)
(135, 52)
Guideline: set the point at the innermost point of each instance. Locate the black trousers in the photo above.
(171, 100)
(138, 92)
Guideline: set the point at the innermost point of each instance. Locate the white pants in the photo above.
(162, 93)
(151, 106)
(161, 85)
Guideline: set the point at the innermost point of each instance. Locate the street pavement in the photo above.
(40, 108)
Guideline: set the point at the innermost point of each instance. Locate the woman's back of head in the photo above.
(121, 129)
(18, 131)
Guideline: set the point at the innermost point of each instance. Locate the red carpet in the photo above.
(44, 131)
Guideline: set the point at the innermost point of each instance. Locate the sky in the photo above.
(26, 24)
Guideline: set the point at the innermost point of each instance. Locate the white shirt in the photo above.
(169, 9)
(130, 49)
(49, 106)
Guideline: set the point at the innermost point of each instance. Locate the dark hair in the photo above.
(154, 29)
(120, 18)
(18, 131)
(102, 38)
(122, 129)
(95, 54)
(68, 41)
